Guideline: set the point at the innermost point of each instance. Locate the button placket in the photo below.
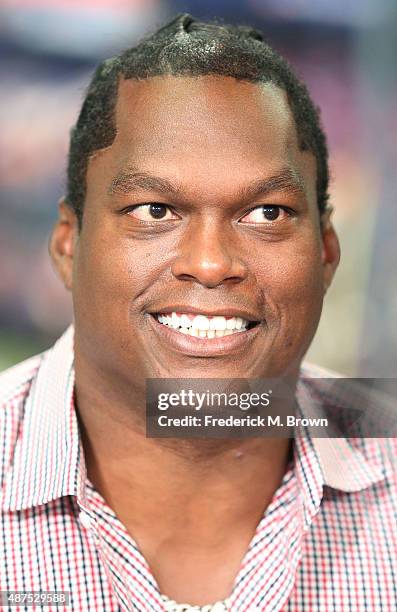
(86, 520)
(89, 524)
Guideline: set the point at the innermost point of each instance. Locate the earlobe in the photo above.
(330, 255)
(62, 243)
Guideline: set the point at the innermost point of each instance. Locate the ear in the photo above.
(62, 243)
(330, 254)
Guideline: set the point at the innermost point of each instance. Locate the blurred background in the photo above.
(346, 52)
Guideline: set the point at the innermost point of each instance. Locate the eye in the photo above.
(265, 214)
(152, 212)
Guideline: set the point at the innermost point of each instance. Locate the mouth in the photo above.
(204, 335)
(204, 326)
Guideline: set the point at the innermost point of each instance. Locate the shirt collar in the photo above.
(49, 458)
(347, 464)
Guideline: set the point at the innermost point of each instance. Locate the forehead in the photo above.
(205, 128)
(201, 109)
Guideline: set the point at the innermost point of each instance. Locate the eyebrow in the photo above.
(129, 180)
(287, 180)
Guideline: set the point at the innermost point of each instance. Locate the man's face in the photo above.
(174, 222)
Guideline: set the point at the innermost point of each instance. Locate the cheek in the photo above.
(110, 275)
(111, 284)
(292, 283)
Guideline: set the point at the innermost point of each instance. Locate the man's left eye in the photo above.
(265, 214)
(152, 212)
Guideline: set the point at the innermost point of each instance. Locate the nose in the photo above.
(207, 255)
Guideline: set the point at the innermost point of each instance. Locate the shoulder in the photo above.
(15, 385)
(364, 410)
(15, 382)
(311, 370)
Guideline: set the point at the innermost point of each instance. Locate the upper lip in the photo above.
(211, 312)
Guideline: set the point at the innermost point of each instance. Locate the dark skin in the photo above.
(222, 149)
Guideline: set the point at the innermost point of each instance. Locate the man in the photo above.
(196, 240)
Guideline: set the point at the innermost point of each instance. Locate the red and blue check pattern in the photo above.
(327, 541)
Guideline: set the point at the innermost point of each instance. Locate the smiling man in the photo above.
(196, 240)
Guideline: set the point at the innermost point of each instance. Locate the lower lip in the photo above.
(204, 347)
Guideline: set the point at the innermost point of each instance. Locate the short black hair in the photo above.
(188, 47)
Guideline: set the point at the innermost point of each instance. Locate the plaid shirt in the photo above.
(327, 541)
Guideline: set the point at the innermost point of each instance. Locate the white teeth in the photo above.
(185, 321)
(218, 323)
(203, 327)
(201, 322)
(175, 320)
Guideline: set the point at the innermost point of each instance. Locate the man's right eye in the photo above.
(152, 212)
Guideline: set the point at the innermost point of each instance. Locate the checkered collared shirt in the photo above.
(327, 541)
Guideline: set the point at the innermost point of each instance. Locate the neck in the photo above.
(196, 500)
(130, 469)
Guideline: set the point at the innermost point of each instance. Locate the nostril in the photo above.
(188, 277)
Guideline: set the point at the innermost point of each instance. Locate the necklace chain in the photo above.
(172, 606)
